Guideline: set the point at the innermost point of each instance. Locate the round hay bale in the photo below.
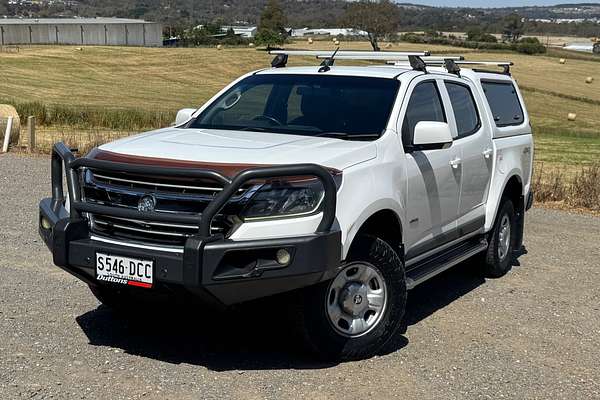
(6, 111)
(589, 79)
(333, 39)
(562, 61)
(250, 44)
(219, 47)
(337, 42)
(571, 116)
(310, 41)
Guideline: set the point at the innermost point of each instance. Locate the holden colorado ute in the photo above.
(348, 185)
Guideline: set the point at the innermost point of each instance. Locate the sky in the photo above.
(504, 3)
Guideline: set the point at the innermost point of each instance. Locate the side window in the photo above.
(465, 110)
(504, 102)
(425, 104)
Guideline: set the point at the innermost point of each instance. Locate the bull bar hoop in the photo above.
(63, 158)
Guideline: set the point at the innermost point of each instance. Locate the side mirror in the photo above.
(430, 135)
(183, 115)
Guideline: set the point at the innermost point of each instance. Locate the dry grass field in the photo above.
(162, 80)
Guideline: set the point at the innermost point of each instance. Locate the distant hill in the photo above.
(314, 13)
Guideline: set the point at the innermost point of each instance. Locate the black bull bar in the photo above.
(63, 156)
(203, 266)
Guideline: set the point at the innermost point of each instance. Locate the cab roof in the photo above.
(373, 71)
(400, 72)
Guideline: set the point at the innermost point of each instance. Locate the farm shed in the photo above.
(80, 31)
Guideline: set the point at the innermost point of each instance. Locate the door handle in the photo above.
(455, 163)
(487, 153)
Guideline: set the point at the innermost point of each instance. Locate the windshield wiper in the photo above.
(252, 128)
(346, 135)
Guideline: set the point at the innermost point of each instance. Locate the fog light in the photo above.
(283, 256)
(46, 224)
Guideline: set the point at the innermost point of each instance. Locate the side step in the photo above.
(438, 263)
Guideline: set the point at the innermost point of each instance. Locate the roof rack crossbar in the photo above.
(431, 63)
(464, 62)
(390, 59)
(348, 53)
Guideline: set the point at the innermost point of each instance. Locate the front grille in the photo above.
(171, 195)
(159, 184)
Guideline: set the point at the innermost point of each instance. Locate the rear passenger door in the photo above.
(474, 141)
(433, 184)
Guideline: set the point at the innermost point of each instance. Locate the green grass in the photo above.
(566, 149)
(91, 116)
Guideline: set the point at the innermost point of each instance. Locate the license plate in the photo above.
(124, 270)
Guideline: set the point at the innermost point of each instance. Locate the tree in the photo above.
(271, 29)
(513, 27)
(378, 19)
(478, 35)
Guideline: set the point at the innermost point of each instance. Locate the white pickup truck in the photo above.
(348, 185)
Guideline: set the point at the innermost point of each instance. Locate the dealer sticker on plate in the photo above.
(124, 270)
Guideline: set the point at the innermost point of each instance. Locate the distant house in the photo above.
(241, 30)
(326, 32)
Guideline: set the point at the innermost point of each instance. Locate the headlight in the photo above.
(284, 199)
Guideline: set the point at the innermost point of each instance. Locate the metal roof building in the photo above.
(80, 31)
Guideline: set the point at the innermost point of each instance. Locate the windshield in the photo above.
(346, 107)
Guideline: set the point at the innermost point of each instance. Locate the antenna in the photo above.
(328, 62)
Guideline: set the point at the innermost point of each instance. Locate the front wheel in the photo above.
(361, 308)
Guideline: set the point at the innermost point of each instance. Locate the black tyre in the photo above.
(498, 258)
(355, 314)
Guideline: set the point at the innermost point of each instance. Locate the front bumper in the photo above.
(210, 266)
(215, 269)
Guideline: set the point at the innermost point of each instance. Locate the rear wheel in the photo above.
(498, 258)
(361, 308)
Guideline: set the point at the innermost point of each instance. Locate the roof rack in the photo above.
(418, 60)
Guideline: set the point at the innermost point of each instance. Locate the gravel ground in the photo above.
(533, 334)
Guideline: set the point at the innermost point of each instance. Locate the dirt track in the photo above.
(532, 334)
